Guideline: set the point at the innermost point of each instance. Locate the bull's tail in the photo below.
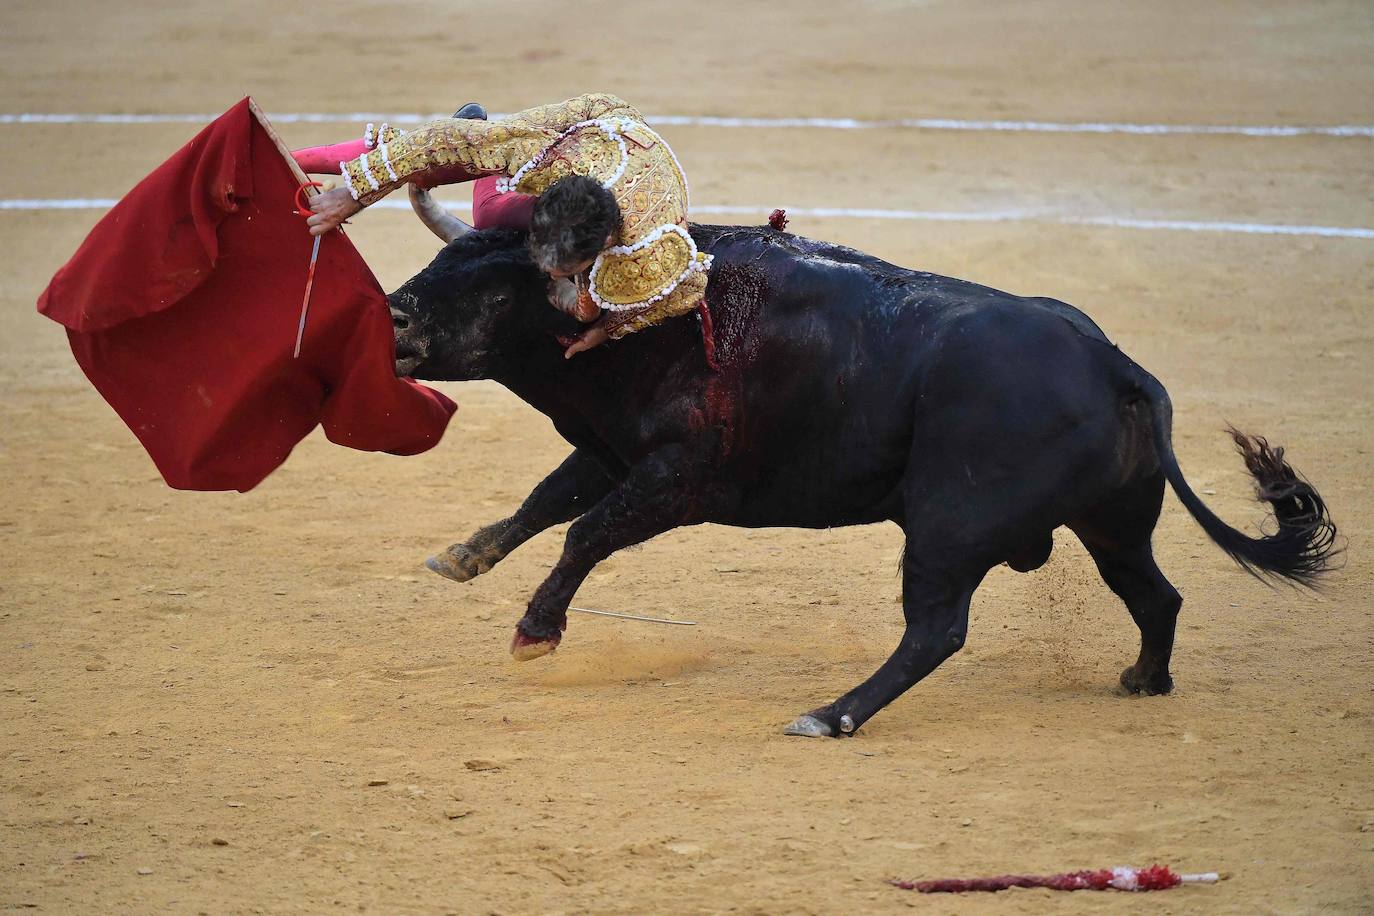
(1304, 543)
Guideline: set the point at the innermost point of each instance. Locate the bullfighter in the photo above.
(611, 208)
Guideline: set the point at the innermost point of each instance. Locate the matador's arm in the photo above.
(465, 149)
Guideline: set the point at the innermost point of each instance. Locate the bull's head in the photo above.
(481, 305)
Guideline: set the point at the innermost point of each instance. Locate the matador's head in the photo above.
(574, 220)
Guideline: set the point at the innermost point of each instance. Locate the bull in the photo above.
(824, 387)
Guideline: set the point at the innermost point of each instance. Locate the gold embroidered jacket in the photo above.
(652, 273)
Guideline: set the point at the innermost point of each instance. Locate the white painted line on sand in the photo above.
(926, 216)
(48, 203)
(1053, 127)
(1339, 232)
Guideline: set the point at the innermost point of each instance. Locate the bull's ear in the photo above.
(442, 223)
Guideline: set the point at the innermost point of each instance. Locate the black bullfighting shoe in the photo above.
(471, 112)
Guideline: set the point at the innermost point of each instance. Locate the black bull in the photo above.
(827, 387)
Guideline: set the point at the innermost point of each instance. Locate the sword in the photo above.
(676, 623)
(304, 211)
(305, 303)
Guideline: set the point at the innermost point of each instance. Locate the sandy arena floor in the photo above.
(199, 691)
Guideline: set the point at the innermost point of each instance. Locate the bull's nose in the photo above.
(400, 320)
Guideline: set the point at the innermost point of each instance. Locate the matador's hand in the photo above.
(330, 210)
(594, 336)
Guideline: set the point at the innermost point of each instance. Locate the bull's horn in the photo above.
(442, 223)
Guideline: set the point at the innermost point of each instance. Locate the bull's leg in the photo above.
(1153, 603)
(576, 485)
(935, 605)
(1117, 534)
(660, 493)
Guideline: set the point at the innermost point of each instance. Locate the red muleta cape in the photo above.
(181, 307)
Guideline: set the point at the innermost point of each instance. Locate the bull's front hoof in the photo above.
(524, 648)
(457, 563)
(1149, 684)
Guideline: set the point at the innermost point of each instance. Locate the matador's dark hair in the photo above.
(572, 219)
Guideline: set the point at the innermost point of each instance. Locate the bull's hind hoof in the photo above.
(1150, 685)
(812, 725)
(457, 563)
(524, 648)
(808, 726)
(821, 723)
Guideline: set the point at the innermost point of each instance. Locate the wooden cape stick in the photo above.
(311, 189)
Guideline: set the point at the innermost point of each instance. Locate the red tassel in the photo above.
(1156, 878)
(778, 219)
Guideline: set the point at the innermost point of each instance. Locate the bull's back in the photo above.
(818, 348)
(824, 353)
